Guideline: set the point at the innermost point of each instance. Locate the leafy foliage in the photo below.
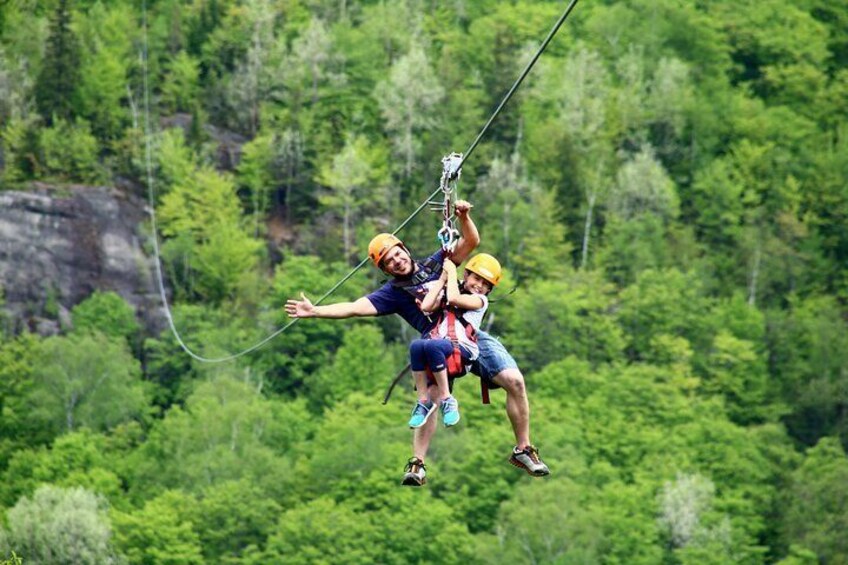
(666, 192)
(60, 526)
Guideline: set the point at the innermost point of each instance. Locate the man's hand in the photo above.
(461, 208)
(300, 308)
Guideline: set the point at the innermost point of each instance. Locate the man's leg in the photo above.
(415, 473)
(421, 438)
(495, 360)
(517, 405)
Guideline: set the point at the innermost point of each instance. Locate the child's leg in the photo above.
(437, 354)
(437, 351)
(443, 389)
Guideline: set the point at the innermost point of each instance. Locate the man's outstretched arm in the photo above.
(305, 309)
(470, 236)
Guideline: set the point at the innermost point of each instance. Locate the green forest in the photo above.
(667, 192)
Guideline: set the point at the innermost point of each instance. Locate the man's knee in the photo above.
(512, 381)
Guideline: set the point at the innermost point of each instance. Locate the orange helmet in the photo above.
(380, 245)
(485, 266)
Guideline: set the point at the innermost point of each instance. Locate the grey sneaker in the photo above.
(415, 473)
(528, 459)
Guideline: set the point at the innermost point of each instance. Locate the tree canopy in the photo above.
(667, 193)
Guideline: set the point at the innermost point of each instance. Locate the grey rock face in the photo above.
(59, 246)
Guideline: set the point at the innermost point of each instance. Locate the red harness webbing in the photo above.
(453, 363)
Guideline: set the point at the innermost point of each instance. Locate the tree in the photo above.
(86, 380)
(643, 206)
(210, 246)
(55, 88)
(737, 370)
(107, 57)
(227, 431)
(61, 526)
(574, 311)
(682, 504)
(816, 501)
(408, 99)
(247, 86)
(233, 520)
(161, 532)
(548, 524)
(175, 161)
(643, 187)
(807, 345)
(353, 172)
(521, 221)
(312, 51)
(180, 87)
(14, 85)
(664, 302)
(309, 532)
(256, 173)
(18, 427)
(321, 527)
(68, 151)
(290, 162)
(107, 313)
(363, 363)
(543, 252)
(77, 459)
(578, 94)
(763, 43)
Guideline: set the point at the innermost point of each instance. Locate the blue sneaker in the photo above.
(420, 414)
(450, 411)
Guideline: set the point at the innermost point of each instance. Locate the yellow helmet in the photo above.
(380, 245)
(485, 266)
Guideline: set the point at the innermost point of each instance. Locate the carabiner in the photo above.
(448, 238)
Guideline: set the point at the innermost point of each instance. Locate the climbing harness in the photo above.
(454, 365)
(452, 165)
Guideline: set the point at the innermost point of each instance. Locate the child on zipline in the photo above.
(452, 342)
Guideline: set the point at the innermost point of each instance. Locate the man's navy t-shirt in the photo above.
(389, 299)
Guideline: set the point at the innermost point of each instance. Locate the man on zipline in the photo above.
(401, 296)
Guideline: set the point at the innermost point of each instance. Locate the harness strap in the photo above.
(426, 269)
(484, 391)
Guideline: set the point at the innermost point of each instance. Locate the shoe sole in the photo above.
(524, 468)
(427, 417)
(411, 480)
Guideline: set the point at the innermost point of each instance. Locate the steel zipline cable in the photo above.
(151, 197)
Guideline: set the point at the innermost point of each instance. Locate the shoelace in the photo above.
(530, 452)
(412, 464)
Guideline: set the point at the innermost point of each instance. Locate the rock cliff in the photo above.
(57, 246)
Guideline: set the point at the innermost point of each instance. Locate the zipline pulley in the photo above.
(448, 235)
